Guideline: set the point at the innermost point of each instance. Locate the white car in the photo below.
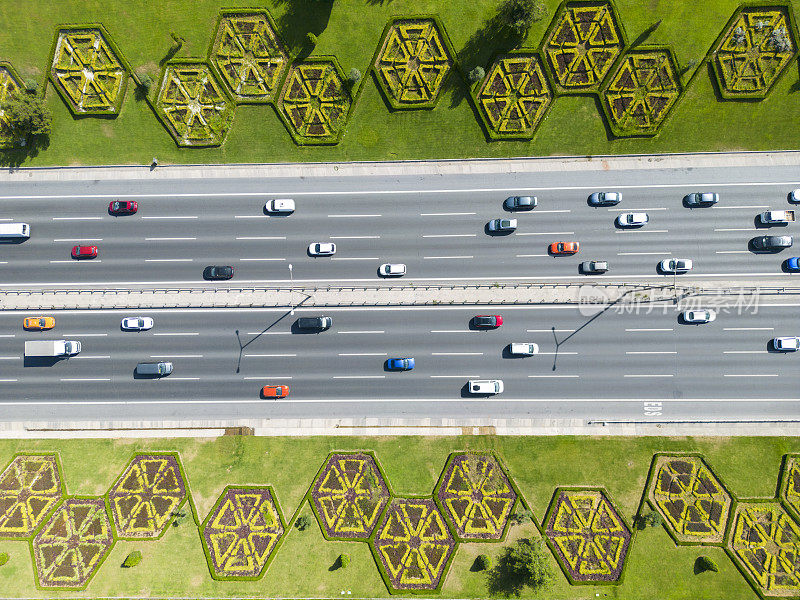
(392, 270)
(322, 249)
(786, 344)
(137, 323)
(280, 206)
(502, 225)
(523, 349)
(632, 219)
(698, 316)
(675, 265)
(794, 196)
(485, 386)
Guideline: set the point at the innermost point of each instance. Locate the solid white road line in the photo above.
(554, 376)
(651, 352)
(351, 216)
(750, 375)
(10, 357)
(262, 237)
(748, 329)
(85, 379)
(268, 355)
(77, 218)
(169, 239)
(78, 240)
(445, 257)
(174, 217)
(8, 380)
(456, 353)
(548, 233)
(363, 354)
(531, 255)
(269, 377)
(355, 237)
(168, 259)
(447, 214)
(262, 259)
(6, 219)
(7, 335)
(359, 376)
(176, 356)
(179, 333)
(647, 376)
(665, 253)
(654, 329)
(745, 352)
(365, 331)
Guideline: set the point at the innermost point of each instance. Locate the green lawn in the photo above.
(350, 30)
(175, 566)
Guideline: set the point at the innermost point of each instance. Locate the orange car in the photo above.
(39, 323)
(275, 391)
(564, 248)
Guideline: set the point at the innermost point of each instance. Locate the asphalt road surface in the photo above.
(610, 364)
(434, 224)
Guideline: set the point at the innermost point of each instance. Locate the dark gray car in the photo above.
(594, 267)
(520, 202)
(772, 242)
(700, 199)
(319, 323)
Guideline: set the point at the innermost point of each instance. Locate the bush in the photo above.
(651, 519)
(344, 560)
(483, 563)
(303, 522)
(522, 515)
(133, 559)
(311, 39)
(526, 563)
(517, 16)
(476, 74)
(354, 76)
(3, 558)
(705, 563)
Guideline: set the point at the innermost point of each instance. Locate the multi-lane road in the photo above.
(616, 365)
(436, 225)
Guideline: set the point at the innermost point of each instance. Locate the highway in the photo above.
(434, 224)
(613, 364)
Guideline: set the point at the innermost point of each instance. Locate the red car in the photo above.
(487, 321)
(84, 252)
(564, 248)
(275, 391)
(123, 207)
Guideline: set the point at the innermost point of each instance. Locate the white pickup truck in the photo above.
(52, 348)
(774, 217)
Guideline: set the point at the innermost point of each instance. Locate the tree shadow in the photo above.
(300, 18)
(645, 34)
(379, 2)
(173, 50)
(14, 157)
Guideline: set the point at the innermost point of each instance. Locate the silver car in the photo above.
(137, 323)
(675, 265)
(594, 267)
(392, 270)
(701, 199)
(502, 225)
(322, 249)
(697, 317)
(632, 219)
(605, 198)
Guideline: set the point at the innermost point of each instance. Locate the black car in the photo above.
(772, 242)
(319, 323)
(218, 272)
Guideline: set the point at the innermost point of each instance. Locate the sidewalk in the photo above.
(486, 166)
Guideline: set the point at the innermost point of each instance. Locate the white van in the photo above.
(15, 231)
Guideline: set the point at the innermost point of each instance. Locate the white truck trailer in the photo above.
(51, 348)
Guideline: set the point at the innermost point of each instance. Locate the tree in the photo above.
(27, 115)
(353, 77)
(133, 559)
(477, 74)
(705, 563)
(344, 560)
(517, 16)
(303, 522)
(523, 564)
(311, 39)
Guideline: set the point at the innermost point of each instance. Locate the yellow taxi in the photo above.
(39, 323)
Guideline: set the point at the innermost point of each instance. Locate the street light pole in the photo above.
(291, 289)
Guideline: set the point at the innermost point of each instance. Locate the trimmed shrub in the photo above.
(344, 560)
(477, 74)
(133, 559)
(3, 558)
(303, 522)
(705, 563)
(354, 76)
(483, 563)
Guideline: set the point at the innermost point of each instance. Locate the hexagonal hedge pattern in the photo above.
(10, 82)
(30, 488)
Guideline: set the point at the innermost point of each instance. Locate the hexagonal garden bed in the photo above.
(242, 532)
(413, 545)
(789, 489)
(146, 495)
(314, 102)
(514, 96)
(476, 496)
(88, 72)
(753, 50)
(30, 487)
(582, 42)
(587, 534)
(193, 105)
(640, 93)
(10, 82)
(73, 543)
(692, 500)
(249, 55)
(413, 61)
(765, 544)
(348, 495)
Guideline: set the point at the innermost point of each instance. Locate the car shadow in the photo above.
(770, 345)
(12, 240)
(506, 353)
(137, 375)
(275, 215)
(785, 267)
(42, 361)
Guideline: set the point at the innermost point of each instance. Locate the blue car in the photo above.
(400, 364)
(793, 264)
